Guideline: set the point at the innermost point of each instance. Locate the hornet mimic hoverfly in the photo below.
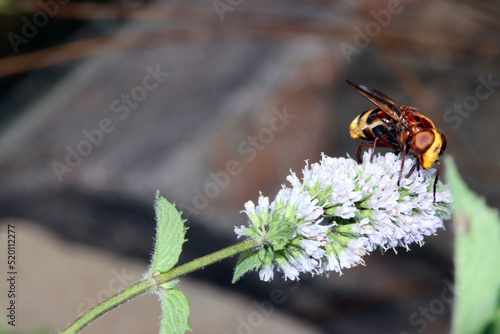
(400, 128)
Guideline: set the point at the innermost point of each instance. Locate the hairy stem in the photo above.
(152, 283)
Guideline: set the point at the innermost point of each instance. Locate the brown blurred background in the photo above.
(104, 102)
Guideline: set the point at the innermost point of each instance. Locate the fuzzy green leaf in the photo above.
(281, 232)
(170, 284)
(248, 261)
(170, 234)
(477, 260)
(176, 312)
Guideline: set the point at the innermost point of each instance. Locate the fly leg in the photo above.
(402, 166)
(378, 142)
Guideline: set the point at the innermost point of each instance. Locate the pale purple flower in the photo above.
(343, 210)
(290, 271)
(240, 231)
(350, 255)
(266, 273)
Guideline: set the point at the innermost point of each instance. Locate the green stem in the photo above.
(209, 259)
(152, 283)
(109, 304)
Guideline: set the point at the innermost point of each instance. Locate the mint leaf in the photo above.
(170, 234)
(477, 259)
(282, 232)
(170, 284)
(176, 312)
(248, 261)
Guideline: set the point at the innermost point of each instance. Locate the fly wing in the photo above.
(388, 105)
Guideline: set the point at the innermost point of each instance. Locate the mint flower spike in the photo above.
(340, 211)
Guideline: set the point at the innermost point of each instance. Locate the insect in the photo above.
(400, 128)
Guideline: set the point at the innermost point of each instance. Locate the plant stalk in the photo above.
(153, 283)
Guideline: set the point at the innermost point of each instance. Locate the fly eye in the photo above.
(443, 145)
(422, 141)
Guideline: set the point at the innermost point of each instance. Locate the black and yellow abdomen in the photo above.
(371, 124)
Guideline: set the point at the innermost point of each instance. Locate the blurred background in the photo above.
(104, 102)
